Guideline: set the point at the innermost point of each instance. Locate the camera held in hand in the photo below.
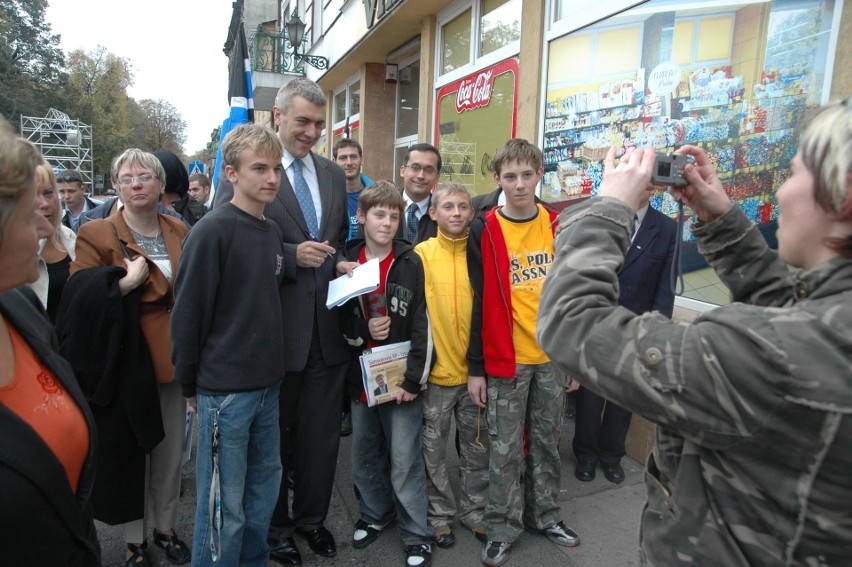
(668, 169)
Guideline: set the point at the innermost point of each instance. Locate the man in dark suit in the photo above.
(310, 208)
(420, 170)
(645, 284)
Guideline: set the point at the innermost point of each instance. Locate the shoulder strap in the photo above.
(120, 241)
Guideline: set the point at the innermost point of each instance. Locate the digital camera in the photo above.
(668, 169)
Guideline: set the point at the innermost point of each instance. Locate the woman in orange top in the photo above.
(141, 248)
(47, 434)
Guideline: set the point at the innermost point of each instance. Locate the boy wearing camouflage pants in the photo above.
(449, 299)
(509, 253)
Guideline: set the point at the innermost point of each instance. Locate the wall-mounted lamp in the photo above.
(295, 34)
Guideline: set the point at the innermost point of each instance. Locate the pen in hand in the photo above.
(315, 239)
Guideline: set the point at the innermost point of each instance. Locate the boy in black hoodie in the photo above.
(395, 312)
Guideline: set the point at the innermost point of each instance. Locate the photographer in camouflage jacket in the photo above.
(753, 400)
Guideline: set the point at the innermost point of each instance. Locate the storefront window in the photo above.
(500, 24)
(354, 133)
(734, 78)
(355, 98)
(476, 115)
(455, 42)
(346, 111)
(408, 100)
(340, 106)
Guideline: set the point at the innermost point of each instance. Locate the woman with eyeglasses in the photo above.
(47, 434)
(56, 252)
(752, 400)
(114, 326)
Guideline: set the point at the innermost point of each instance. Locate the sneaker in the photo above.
(346, 425)
(365, 534)
(445, 538)
(419, 555)
(560, 534)
(479, 533)
(495, 553)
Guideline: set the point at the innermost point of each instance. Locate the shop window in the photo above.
(732, 77)
(500, 24)
(455, 48)
(475, 115)
(477, 33)
(347, 109)
(340, 106)
(408, 100)
(355, 98)
(407, 111)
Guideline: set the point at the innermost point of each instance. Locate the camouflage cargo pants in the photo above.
(440, 403)
(533, 401)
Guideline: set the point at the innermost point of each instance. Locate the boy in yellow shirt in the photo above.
(449, 301)
(510, 252)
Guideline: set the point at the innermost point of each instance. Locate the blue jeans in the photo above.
(249, 473)
(387, 463)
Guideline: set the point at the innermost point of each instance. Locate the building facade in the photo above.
(575, 77)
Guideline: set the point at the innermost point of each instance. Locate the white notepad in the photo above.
(364, 279)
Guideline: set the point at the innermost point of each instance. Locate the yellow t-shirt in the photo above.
(529, 244)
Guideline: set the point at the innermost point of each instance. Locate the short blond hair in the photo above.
(826, 149)
(255, 137)
(18, 161)
(135, 156)
(449, 189)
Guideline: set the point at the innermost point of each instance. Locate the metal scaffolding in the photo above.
(64, 143)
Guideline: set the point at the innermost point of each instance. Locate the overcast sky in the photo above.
(174, 47)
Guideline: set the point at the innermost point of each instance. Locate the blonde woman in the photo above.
(47, 433)
(56, 252)
(114, 329)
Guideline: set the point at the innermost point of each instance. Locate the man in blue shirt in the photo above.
(347, 154)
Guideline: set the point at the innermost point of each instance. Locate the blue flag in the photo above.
(239, 96)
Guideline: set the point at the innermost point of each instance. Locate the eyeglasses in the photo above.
(127, 180)
(68, 179)
(416, 168)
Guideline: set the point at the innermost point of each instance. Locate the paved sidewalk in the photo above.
(605, 515)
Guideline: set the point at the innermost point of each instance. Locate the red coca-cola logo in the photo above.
(475, 91)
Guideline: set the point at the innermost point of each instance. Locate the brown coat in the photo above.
(98, 246)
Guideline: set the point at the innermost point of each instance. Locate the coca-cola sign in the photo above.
(475, 91)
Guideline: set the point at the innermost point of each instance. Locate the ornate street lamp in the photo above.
(295, 34)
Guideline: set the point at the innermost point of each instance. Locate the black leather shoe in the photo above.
(346, 425)
(613, 473)
(285, 552)
(585, 471)
(320, 541)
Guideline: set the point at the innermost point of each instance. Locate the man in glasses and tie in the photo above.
(310, 209)
(420, 171)
(72, 190)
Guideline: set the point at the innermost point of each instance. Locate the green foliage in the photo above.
(97, 95)
(30, 60)
(164, 127)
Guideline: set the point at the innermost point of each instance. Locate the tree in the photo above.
(97, 93)
(30, 60)
(164, 127)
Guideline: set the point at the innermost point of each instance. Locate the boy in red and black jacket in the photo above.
(392, 431)
(510, 249)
